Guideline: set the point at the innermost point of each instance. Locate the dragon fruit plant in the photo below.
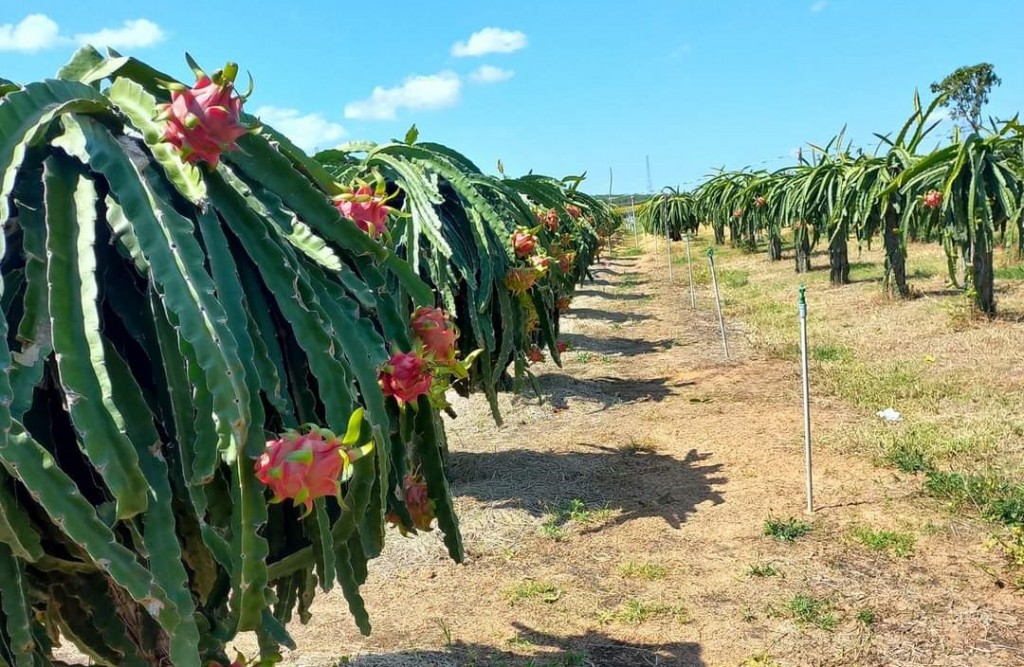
(188, 321)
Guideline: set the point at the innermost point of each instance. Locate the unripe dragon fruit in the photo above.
(417, 499)
(535, 355)
(573, 211)
(541, 262)
(520, 279)
(406, 376)
(205, 120)
(738, 213)
(523, 243)
(301, 467)
(436, 332)
(933, 199)
(565, 261)
(366, 208)
(760, 201)
(551, 220)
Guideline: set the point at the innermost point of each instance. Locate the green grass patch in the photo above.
(636, 612)
(733, 278)
(533, 590)
(995, 498)
(831, 353)
(763, 569)
(888, 541)
(648, 571)
(1010, 272)
(786, 530)
(629, 252)
(866, 616)
(558, 519)
(808, 610)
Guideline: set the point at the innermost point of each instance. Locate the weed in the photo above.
(1011, 543)
(553, 531)
(446, 630)
(635, 446)
(830, 353)
(584, 357)
(629, 252)
(760, 660)
(748, 614)
(763, 570)
(786, 530)
(648, 571)
(533, 590)
(809, 610)
(1010, 272)
(575, 511)
(733, 278)
(899, 544)
(996, 499)
(866, 616)
(519, 641)
(636, 612)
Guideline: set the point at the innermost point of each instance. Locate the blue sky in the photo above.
(559, 86)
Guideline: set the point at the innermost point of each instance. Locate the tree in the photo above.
(966, 92)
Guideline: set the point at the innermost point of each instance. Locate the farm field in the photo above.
(640, 514)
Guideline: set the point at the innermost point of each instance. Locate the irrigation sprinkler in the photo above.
(689, 273)
(802, 307)
(718, 301)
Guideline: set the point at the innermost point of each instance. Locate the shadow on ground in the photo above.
(626, 347)
(611, 295)
(592, 648)
(607, 315)
(557, 388)
(630, 480)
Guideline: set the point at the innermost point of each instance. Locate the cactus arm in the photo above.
(17, 612)
(249, 548)
(428, 451)
(159, 523)
(319, 530)
(16, 530)
(26, 460)
(74, 311)
(177, 263)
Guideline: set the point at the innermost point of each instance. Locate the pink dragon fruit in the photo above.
(406, 376)
(541, 262)
(366, 208)
(523, 243)
(301, 467)
(435, 330)
(565, 261)
(518, 280)
(417, 499)
(561, 346)
(933, 199)
(573, 211)
(760, 201)
(551, 220)
(535, 355)
(563, 304)
(205, 120)
(738, 213)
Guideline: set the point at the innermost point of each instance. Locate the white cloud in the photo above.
(435, 91)
(133, 34)
(490, 74)
(490, 40)
(818, 5)
(308, 131)
(33, 33)
(37, 32)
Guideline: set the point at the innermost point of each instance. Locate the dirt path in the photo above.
(617, 522)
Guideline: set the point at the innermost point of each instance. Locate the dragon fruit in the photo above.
(573, 211)
(417, 499)
(366, 208)
(760, 201)
(520, 279)
(933, 199)
(561, 346)
(301, 467)
(551, 220)
(565, 261)
(523, 243)
(435, 330)
(205, 120)
(535, 355)
(563, 304)
(738, 213)
(406, 376)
